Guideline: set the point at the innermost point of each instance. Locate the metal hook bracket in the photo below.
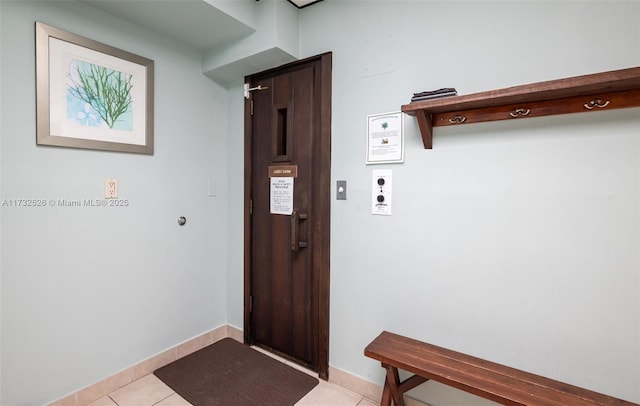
(248, 90)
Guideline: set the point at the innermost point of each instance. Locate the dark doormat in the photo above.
(232, 374)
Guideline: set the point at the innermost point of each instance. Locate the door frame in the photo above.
(320, 257)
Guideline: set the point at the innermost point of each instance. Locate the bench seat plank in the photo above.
(483, 378)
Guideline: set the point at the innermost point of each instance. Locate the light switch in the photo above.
(341, 190)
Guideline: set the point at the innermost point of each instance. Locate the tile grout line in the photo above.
(113, 400)
(162, 400)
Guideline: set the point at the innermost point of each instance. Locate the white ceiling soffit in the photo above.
(193, 22)
(303, 3)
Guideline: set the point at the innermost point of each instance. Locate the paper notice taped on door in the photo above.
(281, 195)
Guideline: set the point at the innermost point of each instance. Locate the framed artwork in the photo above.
(91, 95)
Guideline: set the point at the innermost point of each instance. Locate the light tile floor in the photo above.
(151, 391)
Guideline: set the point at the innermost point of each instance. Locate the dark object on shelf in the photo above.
(433, 94)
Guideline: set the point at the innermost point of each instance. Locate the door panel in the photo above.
(286, 280)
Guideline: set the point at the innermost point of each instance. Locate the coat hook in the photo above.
(596, 103)
(521, 112)
(457, 119)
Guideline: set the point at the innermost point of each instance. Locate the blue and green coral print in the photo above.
(99, 97)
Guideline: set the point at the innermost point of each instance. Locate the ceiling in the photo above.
(192, 22)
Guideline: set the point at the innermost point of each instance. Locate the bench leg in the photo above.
(391, 390)
(386, 396)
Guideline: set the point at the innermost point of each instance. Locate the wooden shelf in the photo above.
(601, 91)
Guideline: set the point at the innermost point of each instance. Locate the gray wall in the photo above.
(87, 292)
(515, 241)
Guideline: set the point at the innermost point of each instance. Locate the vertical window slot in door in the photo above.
(281, 135)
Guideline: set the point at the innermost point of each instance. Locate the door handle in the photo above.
(296, 218)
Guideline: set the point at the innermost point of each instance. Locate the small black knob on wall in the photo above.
(182, 220)
(380, 198)
(380, 181)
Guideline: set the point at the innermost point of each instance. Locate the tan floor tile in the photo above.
(174, 400)
(367, 402)
(105, 401)
(355, 384)
(146, 391)
(329, 394)
(104, 387)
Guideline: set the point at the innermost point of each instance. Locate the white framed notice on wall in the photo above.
(385, 138)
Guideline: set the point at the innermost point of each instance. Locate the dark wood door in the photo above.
(288, 125)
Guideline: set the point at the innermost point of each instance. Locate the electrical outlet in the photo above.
(111, 189)
(381, 192)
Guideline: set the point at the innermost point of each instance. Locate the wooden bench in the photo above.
(499, 383)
